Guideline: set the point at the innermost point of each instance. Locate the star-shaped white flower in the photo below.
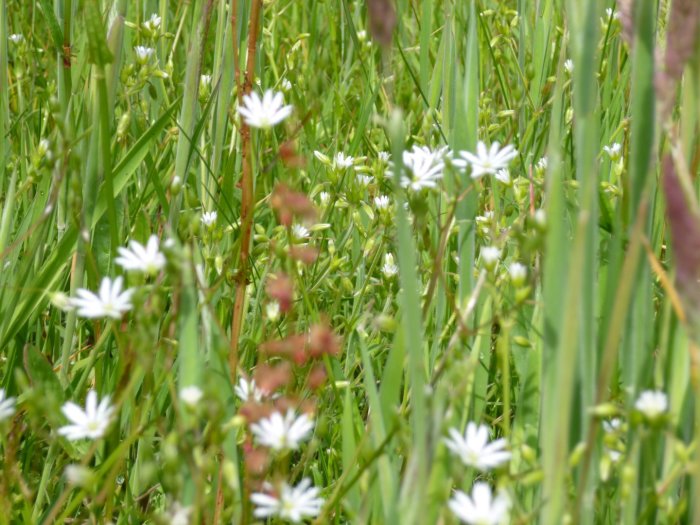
(282, 432)
(143, 53)
(110, 301)
(247, 390)
(91, 423)
(652, 403)
(486, 161)
(480, 508)
(291, 503)
(382, 202)
(7, 405)
(474, 449)
(266, 112)
(147, 259)
(209, 218)
(424, 167)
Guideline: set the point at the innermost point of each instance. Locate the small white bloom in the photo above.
(362, 35)
(480, 508)
(291, 503)
(384, 157)
(16, 38)
(486, 160)
(613, 425)
(342, 161)
(143, 54)
(282, 432)
(90, 423)
(474, 449)
(266, 112)
(503, 176)
(490, 255)
(153, 23)
(191, 395)
(569, 65)
(285, 84)
(209, 218)
(78, 475)
(610, 14)
(272, 310)
(61, 301)
(518, 273)
(389, 268)
(614, 455)
(541, 217)
(110, 301)
(204, 82)
(542, 164)
(364, 180)
(324, 197)
(7, 405)
(247, 390)
(652, 403)
(299, 232)
(382, 202)
(424, 167)
(486, 218)
(147, 259)
(613, 151)
(179, 514)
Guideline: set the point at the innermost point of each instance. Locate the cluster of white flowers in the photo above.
(111, 300)
(476, 451)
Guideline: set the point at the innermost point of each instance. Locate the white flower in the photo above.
(486, 218)
(652, 403)
(209, 218)
(143, 53)
(90, 423)
(382, 202)
(364, 180)
(342, 161)
(610, 14)
(614, 455)
(61, 301)
(266, 112)
(324, 197)
(542, 164)
(424, 167)
(285, 84)
(179, 514)
(541, 217)
(362, 35)
(291, 504)
(204, 82)
(486, 161)
(110, 301)
(191, 395)
(16, 38)
(384, 157)
(299, 232)
(490, 255)
(389, 269)
(148, 259)
(247, 390)
(613, 425)
(78, 475)
(613, 151)
(480, 508)
(569, 65)
(474, 449)
(153, 23)
(7, 405)
(517, 272)
(272, 310)
(503, 176)
(282, 432)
